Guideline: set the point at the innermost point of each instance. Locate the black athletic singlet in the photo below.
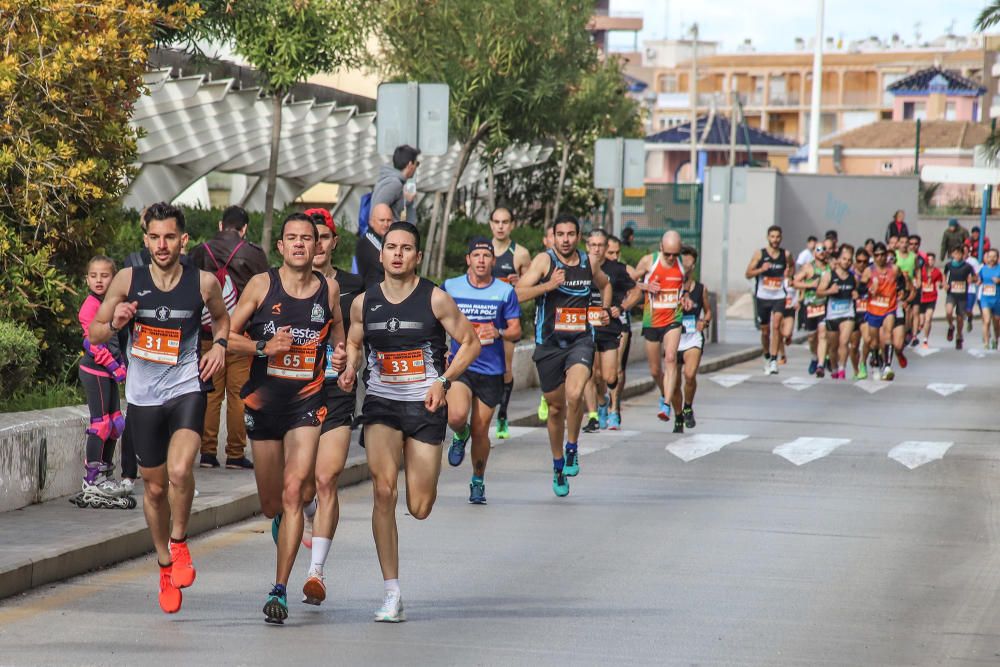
(770, 284)
(292, 382)
(621, 283)
(404, 343)
(504, 265)
(562, 313)
(351, 285)
(840, 305)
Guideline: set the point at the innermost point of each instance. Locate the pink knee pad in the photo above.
(117, 424)
(101, 427)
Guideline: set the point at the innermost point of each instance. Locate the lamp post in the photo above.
(817, 92)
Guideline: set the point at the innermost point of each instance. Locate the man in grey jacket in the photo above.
(953, 237)
(389, 184)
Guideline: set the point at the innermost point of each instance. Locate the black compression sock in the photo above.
(508, 387)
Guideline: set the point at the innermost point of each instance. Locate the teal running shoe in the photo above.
(664, 413)
(560, 484)
(602, 415)
(503, 431)
(275, 527)
(477, 492)
(456, 453)
(614, 421)
(276, 607)
(572, 465)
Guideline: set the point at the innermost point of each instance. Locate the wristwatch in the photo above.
(445, 381)
(221, 341)
(261, 344)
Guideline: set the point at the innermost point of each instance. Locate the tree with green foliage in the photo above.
(66, 146)
(288, 41)
(510, 65)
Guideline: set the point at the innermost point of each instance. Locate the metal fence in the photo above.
(665, 206)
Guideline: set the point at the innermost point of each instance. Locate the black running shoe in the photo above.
(592, 426)
(209, 461)
(688, 414)
(678, 424)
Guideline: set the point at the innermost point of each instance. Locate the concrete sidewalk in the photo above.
(55, 540)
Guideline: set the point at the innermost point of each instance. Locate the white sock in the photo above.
(310, 509)
(320, 550)
(391, 585)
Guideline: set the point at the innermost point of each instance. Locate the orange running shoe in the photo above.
(170, 595)
(183, 573)
(314, 590)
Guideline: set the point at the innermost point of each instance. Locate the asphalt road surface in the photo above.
(800, 523)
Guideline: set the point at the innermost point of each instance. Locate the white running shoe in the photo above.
(391, 610)
(314, 590)
(772, 367)
(128, 485)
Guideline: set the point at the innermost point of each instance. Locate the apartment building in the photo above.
(776, 88)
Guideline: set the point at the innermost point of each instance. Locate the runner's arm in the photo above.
(114, 309)
(803, 279)
(641, 269)
(528, 287)
(460, 330)
(250, 299)
(215, 357)
(603, 284)
(824, 288)
(335, 339)
(752, 269)
(355, 339)
(511, 312)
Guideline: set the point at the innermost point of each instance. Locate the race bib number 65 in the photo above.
(296, 364)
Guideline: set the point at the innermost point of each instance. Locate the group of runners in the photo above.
(865, 306)
(428, 358)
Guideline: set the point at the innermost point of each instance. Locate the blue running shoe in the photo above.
(560, 484)
(813, 365)
(572, 465)
(477, 492)
(275, 527)
(456, 453)
(602, 415)
(614, 421)
(664, 413)
(276, 607)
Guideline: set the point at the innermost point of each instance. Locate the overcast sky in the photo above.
(773, 25)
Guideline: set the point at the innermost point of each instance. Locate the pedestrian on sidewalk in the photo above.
(954, 236)
(898, 226)
(391, 185)
(228, 253)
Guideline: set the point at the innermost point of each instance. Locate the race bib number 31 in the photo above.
(571, 320)
(161, 346)
(402, 367)
(296, 364)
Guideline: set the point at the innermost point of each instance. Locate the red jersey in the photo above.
(882, 291)
(930, 278)
(663, 308)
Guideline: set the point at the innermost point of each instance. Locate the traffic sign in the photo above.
(414, 114)
(966, 175)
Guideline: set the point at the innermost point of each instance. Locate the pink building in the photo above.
(936, 94)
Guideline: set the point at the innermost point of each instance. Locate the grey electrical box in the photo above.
(414, 114)
(619, 163)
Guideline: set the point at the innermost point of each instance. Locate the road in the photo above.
(871, 539)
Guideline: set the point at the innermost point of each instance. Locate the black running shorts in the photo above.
(606, 340)
(339, 408)
(486, 388)
(150, 427)
(767, 306)
(554, 361)
(270, 426)
(656, 334)
(410, 418)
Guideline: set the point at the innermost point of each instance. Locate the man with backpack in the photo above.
(233, 260)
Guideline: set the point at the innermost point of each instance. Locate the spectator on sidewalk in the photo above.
(973, 242)
(954, 236)
(628, 237)
(228, 252)
(368, 252)
(898, 226)
(806, 255)
(390, 185)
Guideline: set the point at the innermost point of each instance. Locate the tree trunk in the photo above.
(431, 231)
(491, 192)
(562, 177)
(463, 161)
(272, 171)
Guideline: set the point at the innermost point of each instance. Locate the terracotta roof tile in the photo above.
(903, 134)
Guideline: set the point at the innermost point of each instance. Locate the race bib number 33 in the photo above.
(159, 345)
(402, 367)
(571, 320)
(296, 364)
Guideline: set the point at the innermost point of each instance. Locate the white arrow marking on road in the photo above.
(980, 353)
(926, 352)
(915, 453)
(871, 386)
(515, 432)
(590, 449)
(944, 388)
(616, 434)
(696, 446)
(728, 381)
(798, 384)
(804, 450)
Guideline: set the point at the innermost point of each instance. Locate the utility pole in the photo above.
(817, 92)
(694, 103)
(723, 297)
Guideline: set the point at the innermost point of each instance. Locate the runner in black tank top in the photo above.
(505, 264)
(289, 314)
(560, 280)
(694, 322)
(840, 287)
(400, 325)
(166, 382)
(769, 267)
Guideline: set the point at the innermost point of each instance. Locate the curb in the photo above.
(237, 505)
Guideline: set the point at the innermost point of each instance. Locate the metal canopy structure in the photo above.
(193, 127)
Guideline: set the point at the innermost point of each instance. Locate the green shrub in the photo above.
(18, 358)
(43, 397)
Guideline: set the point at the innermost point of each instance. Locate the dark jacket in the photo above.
(896, 229)
(953, 237)
(248, 261)
(369, 255)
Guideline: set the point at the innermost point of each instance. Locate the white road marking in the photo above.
(804, 450)
(590, 449)
(615, 434)
(515, 432)
(871, 386)
(727, 380)
(915, 453)
(799, 383)
(925, 352)
(944, 388)
(696, 446)
(980, 353)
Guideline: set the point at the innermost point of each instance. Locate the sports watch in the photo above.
(261, 344)
(445, 381)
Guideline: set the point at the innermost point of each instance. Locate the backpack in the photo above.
(364, 212)
(230, 295)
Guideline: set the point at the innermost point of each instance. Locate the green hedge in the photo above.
(18, 358)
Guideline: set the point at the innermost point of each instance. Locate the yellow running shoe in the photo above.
(543, 409)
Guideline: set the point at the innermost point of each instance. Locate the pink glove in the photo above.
(117, 371)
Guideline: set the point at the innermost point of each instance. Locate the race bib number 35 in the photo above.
(296, 364)
(571, 320)
(161, 346)
(402, 367)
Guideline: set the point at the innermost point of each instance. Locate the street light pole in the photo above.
(694, 103)
(817, 92)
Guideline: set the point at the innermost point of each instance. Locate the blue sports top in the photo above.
(495, 303)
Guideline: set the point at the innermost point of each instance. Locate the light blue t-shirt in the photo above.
(495, 303)
(989, 290)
